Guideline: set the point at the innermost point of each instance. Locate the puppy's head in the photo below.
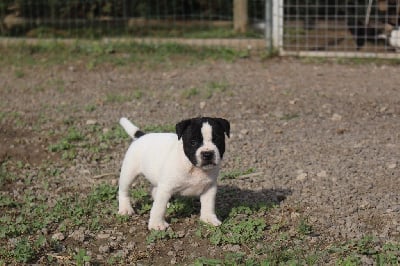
(203, 140)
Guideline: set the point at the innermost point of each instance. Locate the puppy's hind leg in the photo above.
(129, 172)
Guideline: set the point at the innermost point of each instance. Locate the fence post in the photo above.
(277, 24)
(268, 25)
(240, 16)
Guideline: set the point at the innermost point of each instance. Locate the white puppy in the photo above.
(187, 163)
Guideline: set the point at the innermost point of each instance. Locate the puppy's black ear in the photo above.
(225, 125)
(181, 126)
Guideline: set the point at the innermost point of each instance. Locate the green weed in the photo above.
(23, 251)
(236, 173)
(156, 235)
(81, 257)
(238, 258)
(190, 93)
(304, 228)
(242, 226)
(181, 207)
(19, 73)
(142, 199)
(159, 128)
(215, 87)
(96, 53)
(90, 108)
(287, 117)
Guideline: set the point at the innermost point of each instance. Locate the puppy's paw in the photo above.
(125, 210)
(211, 219)
(159, 226)
(125, 207)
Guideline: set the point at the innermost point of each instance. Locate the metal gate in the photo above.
(345, 28)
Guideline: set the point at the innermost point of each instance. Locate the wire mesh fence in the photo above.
(201, 21)
(362, 28)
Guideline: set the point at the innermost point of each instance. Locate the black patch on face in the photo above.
(190, 132)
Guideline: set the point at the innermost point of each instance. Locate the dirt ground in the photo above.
(322, 140)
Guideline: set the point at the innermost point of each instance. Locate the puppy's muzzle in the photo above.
(207, 157)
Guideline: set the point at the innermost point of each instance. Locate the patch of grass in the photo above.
(181, 207)
(350, 253)
(238, 258)
(34, 213)
(215, 87)
(90, 108)
(243, 225)
(23, 251)
(96, 53)
(68, 144)
(142, 199)
(58, 84)
(81, 257)
(167, 128)
(116, 98)
(236, 173)
(121, 98)
(190, 93)
(287, 117)
(19, 73)
(304, 227)
(5, 175)
(156, 235)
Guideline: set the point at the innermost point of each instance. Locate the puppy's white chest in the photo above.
(196, 182)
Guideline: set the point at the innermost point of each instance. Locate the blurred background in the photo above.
(336, 27)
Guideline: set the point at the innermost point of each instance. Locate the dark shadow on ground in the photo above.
(229, 197)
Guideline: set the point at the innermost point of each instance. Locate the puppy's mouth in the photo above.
(208, 165)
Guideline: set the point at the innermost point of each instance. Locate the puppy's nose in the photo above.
(207, 155)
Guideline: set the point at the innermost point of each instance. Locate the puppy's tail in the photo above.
(130, 128)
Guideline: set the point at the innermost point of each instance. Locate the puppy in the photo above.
(187, 163)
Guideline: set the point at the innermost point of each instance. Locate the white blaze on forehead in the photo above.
(206, 131)
(208, 145)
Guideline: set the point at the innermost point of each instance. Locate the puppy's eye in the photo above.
(193, 142)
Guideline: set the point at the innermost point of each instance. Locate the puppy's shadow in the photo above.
(229, 197)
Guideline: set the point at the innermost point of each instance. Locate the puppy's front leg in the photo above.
(161, 197)
(207, 212)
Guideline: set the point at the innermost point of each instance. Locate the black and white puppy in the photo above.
(187, 163)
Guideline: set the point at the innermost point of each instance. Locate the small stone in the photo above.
(178, 245)
(180, 233)
(171, 253)
(294, 215)
(103, 236)
(58, 236)
(391, 165)
(322, 174)
(91, 122)
(104, 249)
(202, 105)
(78, 235)
(301, 176)
(244, 131)
(336, 117)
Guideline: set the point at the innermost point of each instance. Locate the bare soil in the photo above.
(323, 138)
